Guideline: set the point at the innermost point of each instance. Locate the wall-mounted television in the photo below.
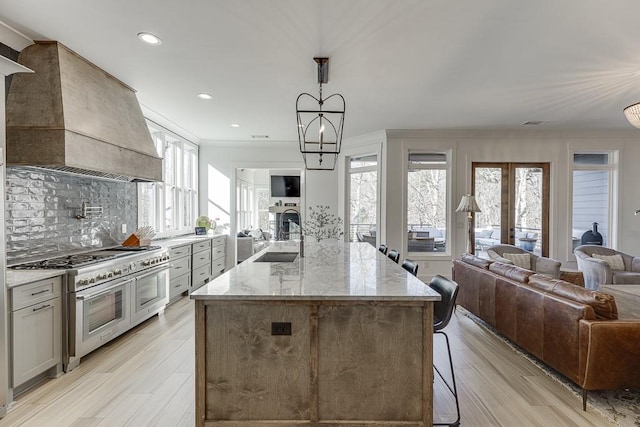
(285, 186)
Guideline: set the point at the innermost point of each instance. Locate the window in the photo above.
(427, 202)
(363, 198)
(244, 197)
(593, 180)
(262, 202)
(171, 206)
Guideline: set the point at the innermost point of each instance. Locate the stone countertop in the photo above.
(183, 240)
(22, 277)
(328, 271)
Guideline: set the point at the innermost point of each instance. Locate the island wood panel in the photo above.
(345, 362)
(256, 375)
(370, 363)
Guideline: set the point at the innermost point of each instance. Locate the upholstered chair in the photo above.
(606, 266)
(525, 259)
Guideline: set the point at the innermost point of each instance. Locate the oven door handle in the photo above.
(152, 271)
(101, 292)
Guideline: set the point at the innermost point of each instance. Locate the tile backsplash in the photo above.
(41, 208)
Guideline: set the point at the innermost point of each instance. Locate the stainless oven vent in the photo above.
(72, 116)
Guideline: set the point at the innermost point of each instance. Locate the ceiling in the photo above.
(403, 64)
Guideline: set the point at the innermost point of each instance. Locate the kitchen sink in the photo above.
(277, 257)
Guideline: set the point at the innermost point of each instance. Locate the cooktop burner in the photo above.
(79, 260)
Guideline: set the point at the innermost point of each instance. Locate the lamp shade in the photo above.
(632, 113)
(468, 204)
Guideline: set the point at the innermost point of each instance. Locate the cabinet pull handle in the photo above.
(39, 292)
(41, 308)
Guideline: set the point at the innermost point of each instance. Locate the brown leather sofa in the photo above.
(574, 330)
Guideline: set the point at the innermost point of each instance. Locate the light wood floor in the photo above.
(145, 378)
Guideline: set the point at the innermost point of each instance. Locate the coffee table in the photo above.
(627, 299)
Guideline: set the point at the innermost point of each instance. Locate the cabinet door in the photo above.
(36, 332)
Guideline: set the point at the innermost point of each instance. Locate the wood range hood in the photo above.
(72, 116)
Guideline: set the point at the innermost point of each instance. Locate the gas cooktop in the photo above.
(83, 259)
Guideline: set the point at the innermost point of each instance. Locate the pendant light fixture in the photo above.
(320, 124)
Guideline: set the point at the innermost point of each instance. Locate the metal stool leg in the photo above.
(452, 388)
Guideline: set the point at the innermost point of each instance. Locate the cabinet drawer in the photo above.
(179, 251)
(200, 276)
(179, 285)
(179, 267)
(217, 252)
(217, 241)
(201, 258)
(36, 292)
(217, 266)
(201, 246)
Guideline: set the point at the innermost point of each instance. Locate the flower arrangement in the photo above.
(323, 224)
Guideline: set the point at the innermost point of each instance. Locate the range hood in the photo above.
(72, 116)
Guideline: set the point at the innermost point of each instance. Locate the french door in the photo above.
(514, 203)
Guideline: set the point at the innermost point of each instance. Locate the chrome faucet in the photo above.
(299, 224)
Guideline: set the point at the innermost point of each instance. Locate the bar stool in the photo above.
(383, 249)
(394, 255)
(410, 266)
(442, 311)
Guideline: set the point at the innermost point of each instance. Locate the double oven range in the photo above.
(108, 291)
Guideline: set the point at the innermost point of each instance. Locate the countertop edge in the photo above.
(15, 278)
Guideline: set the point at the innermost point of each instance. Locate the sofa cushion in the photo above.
(603, 304)
(626, 278)
(512, 272)
(543, 282)
(477, 261)
(521, 260)
(616, 262)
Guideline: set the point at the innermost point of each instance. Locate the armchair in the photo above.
(539, 264)
(598, 271)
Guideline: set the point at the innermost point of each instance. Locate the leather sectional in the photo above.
(573, 330)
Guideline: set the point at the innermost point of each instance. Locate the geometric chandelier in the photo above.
(632, 113)
(320, 124)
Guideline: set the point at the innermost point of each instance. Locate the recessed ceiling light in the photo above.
(235, 125)
(205, 96)
(150, 39)
(260, 136)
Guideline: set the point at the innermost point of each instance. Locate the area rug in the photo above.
(621, 407)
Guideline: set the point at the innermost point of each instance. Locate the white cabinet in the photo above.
(201, 264)
(180, 271)
(36, 329)
(218, 255)
(194, 263)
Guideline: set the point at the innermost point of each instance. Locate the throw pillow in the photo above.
(521, 260)
(256, 234)
(615, 261)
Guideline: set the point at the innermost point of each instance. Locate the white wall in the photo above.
(222, 160)
(555, 147)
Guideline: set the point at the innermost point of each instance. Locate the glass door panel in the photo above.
(488, 223)
(528, 209)
(514, 203)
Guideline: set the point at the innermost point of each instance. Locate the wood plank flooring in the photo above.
(145, 378)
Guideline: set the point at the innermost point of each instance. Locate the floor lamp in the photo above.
(468, 204)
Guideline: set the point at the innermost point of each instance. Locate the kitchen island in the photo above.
(340, 336)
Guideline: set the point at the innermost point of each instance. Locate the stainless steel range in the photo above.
(109, 291)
